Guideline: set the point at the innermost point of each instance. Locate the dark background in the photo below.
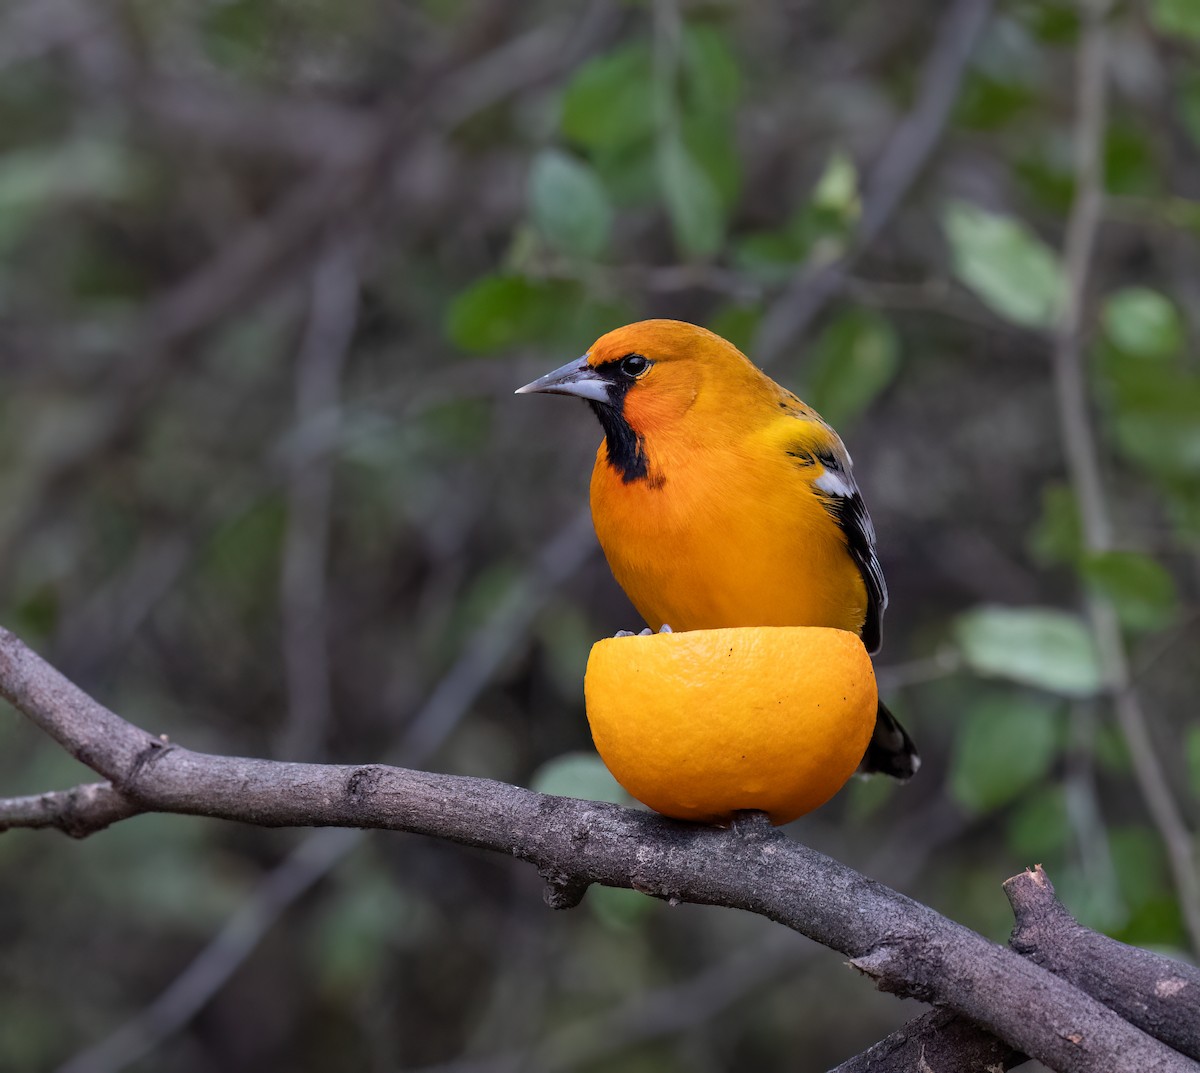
(269, 273)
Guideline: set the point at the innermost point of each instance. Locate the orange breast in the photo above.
(726, 537)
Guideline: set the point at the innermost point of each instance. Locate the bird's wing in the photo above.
(841, 498)
(850, 513)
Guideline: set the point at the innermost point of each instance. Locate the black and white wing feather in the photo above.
(890, 750)
(845, 504)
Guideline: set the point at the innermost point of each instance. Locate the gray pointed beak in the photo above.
(576, 378)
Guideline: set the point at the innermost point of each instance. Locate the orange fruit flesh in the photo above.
(700, 725)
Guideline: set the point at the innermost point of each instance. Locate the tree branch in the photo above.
(905, 947)
(78, 812)
(1160, 995)
(938, 1040)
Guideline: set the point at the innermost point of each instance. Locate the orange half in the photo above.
(700, 725)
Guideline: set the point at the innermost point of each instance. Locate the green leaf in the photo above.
(709, 139)
(501, 311)
(1130, 161)
(1094, 900)
(692, 200)
(486, 591)
(855, 359)
(1177, 18)
(1057, 536)
(1039, 826)
(630, 172)
(1193, 757)
(1010, 269)
(1037, 646)
(1140, 589)
(1111, 752)
(770, 257)
(360, 925)
(1046, 173)
(610, 101)
(989, 103)
(569, 204)
(1052, 21)
(35, 613)
(1188, 101)
(1183, 506)
(566, 635)
(35, 180)
(711, 76)
(1139, 863)
(1157, 924)
(84, 169)
(1143, 323)
(737, 323)
(619, 908)
(493, 313)
(236, 564)
(578, 775)
(1003, 745)
(239, 34)
(1165, 444)
(1156, 423)
(865, 799)
(837, 189)
(816, 233)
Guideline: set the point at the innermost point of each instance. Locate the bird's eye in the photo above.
(633, 365)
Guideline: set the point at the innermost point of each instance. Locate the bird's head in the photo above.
(645, 379)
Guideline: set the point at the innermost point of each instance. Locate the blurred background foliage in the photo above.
(269, 273)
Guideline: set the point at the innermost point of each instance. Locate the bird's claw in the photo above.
(647, 632)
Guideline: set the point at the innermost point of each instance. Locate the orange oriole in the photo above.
(721, 499)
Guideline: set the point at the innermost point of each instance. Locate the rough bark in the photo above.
(936, 1042)
(1158, 994)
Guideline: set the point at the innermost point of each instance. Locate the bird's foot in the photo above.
(647, 632)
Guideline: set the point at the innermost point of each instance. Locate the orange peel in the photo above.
(703, 724)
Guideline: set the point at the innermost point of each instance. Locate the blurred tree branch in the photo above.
(1083, 457)
(488, 649)
(164, 141)
(333, 314)
(351, 178)
(890, 181)
(904, 947)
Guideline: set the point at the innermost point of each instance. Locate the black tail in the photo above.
(891, 751)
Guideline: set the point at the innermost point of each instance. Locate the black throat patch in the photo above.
(626, 449)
